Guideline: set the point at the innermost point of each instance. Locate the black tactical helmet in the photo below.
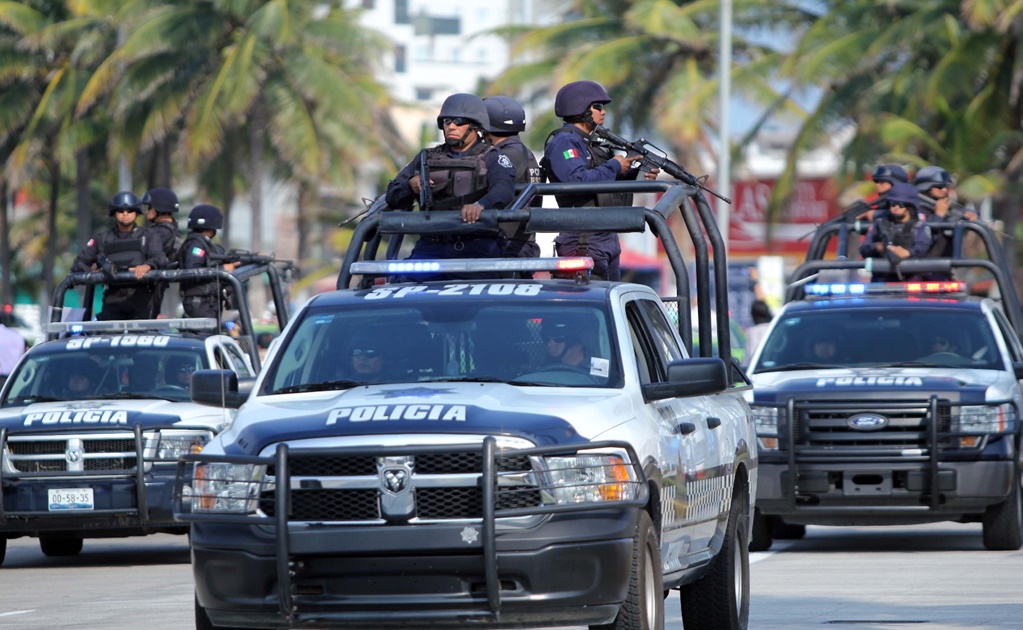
(163, 200)
(574, 99)
(903, 195)
(890, 173)
(505, 114)
(124, 200)
(205, 217)
(931, 176)
(467, 106)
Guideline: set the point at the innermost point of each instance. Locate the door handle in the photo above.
(713, 423)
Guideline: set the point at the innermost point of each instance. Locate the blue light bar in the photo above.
(925, 287)
(471, 265)
(132, 325)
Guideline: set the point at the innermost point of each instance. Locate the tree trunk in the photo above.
(7, 295)
(228, 192)
(51, 234)
(302, 220)
(84, 212)
(256, 170)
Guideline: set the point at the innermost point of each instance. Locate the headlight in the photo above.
(222, 487)
(173, 444)
(590, 478)
(765, 421)
(985, 419)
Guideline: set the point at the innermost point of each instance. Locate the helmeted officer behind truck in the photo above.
(569, 156)
(121, 248)
(465, 174)
(203, 298)
(507, 121)
(162, 230)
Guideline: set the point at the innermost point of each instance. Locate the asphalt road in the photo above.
(935, 577)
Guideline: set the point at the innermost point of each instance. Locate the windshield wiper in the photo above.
(123, 396)
(318, 387)
(800, 366)
(464, 379)
(912, 364)
(13, 402)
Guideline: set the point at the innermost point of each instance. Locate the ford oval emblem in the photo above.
(867, 422)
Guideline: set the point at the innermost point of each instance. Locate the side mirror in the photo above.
(219, 388)
(701, 376)
(1017, 367)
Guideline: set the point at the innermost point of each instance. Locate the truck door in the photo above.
(683, 448)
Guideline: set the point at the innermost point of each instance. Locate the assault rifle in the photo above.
(653, 157)
(251, 258)
(893, 258)
(425, 191)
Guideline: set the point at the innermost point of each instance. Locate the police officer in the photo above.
(203, 298)
(466, 174)
(899, 235)
(570, 156)
(162, 230)
(885, 176)
(934, 184)
(124, 247)
(507, 120)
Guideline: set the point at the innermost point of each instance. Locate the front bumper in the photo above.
(514, 567)
(572, 568)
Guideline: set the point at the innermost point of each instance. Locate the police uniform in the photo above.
(527, 171)
(201, 298)
(912, 234)
(124, 250)
(570, 157)
(480, 175)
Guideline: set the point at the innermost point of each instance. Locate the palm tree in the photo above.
(254, 82)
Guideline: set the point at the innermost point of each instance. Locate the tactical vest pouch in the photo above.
(125, 252)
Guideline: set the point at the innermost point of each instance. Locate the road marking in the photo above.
(16, 612)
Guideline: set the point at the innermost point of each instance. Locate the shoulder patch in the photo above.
(198, 251)
(570, 154)
(91, 242)
(505, 161)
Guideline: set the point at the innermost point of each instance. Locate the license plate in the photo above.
(70, 499)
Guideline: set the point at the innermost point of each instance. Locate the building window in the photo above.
(400, 61)
(401, 12)
(424, 94)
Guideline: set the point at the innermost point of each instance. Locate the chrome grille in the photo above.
(444, 486)
(48, 453)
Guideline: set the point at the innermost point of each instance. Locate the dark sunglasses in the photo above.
(458, 122)
(369, 354)
(186, 369)
(940, 187)
(598, 106)
(133, 210)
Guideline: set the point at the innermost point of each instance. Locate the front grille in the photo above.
(826, 427)
(447, 487)
(47, 454)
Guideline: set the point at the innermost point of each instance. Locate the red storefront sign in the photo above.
(814, 201)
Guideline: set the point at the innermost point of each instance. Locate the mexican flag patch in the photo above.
(198, 251)
(571, 153)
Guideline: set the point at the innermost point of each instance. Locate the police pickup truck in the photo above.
(493, 452)
(91, 426)
(892, 403)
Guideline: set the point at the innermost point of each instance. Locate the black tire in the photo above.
(3, 550)
(644, 608)
(787, 531)
(1003, 523)
(60, 546)
(763, 537)
(720, 599)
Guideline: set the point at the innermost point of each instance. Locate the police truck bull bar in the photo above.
(635, 494)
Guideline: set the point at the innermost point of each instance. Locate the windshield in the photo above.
(880, 337)
(525, 343)
(84, 371)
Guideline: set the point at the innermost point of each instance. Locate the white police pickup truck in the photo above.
(91, 426)
(490, 452)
